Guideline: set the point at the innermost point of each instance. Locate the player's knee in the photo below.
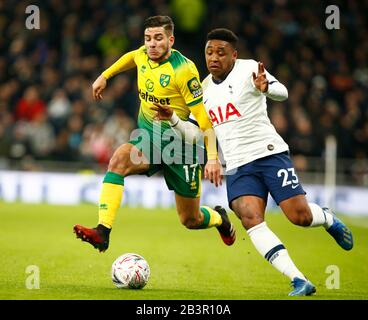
(248, 216)
(301, 217)
(120, 162)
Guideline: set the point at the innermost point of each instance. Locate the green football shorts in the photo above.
(166, 152)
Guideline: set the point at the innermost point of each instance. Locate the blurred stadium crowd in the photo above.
(46, 106)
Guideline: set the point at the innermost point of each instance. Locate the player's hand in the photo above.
(163, 112)
(98, 86)
(260, 80)
(213, 172)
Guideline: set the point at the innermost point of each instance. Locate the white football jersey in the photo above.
(238, 112)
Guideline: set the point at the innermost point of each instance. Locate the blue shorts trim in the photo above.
(274, 174)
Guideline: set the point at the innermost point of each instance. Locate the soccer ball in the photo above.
(131, 271)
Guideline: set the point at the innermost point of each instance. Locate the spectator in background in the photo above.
(119, 127)
(123, 97)
(19, 147)
(303, 139)
(75, 127)
(62, 150)
(49, 79)
(97, 146)
(113, 41)
(318, 65)
(279, 120)
(59, 109)
(30, 106)
(188, 14)
(40, 135)
(6, 128)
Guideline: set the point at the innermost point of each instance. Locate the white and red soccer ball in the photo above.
(131, 271)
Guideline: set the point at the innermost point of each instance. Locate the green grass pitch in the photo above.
(185, 264)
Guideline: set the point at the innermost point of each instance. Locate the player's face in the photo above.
(158, 43)
(220, 58)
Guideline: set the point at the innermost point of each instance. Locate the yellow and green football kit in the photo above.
(174, 82)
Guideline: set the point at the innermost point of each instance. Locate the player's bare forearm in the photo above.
(213, 172)
(200, 114)
(98, 86)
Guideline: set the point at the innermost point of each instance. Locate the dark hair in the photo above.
(160, 21)
(223, 34)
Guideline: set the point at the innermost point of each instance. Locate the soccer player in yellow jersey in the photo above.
(166, 77)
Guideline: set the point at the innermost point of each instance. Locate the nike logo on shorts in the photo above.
(297, 185)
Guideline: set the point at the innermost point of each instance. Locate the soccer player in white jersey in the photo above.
(257, 158)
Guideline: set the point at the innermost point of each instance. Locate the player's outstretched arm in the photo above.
(192, 133)
(268, 84)
(213, 172)
(186, 129)
(213, 168)
(98, 86)
(126, 62)
(260, 80)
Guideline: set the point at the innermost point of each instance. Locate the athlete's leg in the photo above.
(251, 210)
(189, 212)
(194, 216)
(298, 211)
(283, 183)
(126, 160)
(123, 163)
(305, 214)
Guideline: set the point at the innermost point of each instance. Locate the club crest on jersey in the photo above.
(164, 80)
(219, 115)
(149, 85)
(143, 68)
(195, 87)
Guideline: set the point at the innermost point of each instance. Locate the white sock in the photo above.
(270, 247)
(320, 217)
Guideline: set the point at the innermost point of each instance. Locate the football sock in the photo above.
(211, 218)
(270, 247)
(320, 217)
(110, 198)
(103, 230)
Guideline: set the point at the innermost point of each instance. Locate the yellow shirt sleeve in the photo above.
(205, 124)
(187, 77)
(126, 62)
